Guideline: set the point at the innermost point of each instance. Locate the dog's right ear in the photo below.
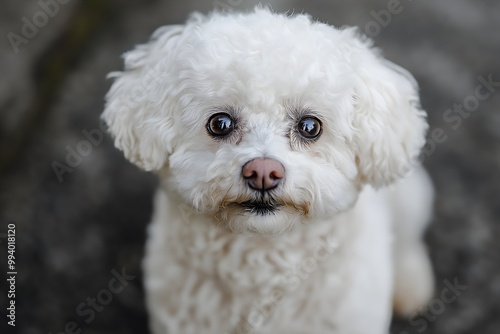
(140, 104)
(389, 121)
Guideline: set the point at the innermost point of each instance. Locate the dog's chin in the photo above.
(259, 217)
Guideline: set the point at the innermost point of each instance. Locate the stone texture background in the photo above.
(72, 234)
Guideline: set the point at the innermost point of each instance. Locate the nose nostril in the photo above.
(250, 174)
(276, 175)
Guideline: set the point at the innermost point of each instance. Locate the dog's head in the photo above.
(264, 121)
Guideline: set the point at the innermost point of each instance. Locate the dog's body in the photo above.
(269, 134)
(334, 276)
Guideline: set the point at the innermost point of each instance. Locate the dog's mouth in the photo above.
(261, 208)
(265, 205)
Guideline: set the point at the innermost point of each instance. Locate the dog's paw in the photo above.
(414, 281)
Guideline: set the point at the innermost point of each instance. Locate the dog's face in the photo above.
(263, 121)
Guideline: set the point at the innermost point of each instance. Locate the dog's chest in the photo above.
(227, 283)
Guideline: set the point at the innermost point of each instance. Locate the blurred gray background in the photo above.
(73, 230)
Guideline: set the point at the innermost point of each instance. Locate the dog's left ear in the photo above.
(139, 106)
(389, 124)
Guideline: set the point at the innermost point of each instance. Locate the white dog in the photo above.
(272, 136)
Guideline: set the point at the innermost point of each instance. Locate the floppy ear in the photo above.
(389, 124)
(139, 106)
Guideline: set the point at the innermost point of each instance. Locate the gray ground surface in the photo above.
(72, 234)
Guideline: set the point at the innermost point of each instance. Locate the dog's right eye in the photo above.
(220, 125)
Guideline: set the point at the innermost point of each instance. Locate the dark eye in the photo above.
(220, 125)
(309, 127)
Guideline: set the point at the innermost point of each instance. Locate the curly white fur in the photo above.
(323, 262)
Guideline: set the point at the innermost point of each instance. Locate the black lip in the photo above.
(260, 208)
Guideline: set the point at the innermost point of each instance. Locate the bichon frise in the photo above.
(273, 136)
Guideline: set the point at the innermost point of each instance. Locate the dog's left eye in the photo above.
(309, 127)
(220, 125)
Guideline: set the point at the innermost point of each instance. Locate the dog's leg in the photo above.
(413, 277)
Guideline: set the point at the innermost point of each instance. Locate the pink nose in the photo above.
(263, 174)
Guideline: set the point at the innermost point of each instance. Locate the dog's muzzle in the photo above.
(262, 175)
